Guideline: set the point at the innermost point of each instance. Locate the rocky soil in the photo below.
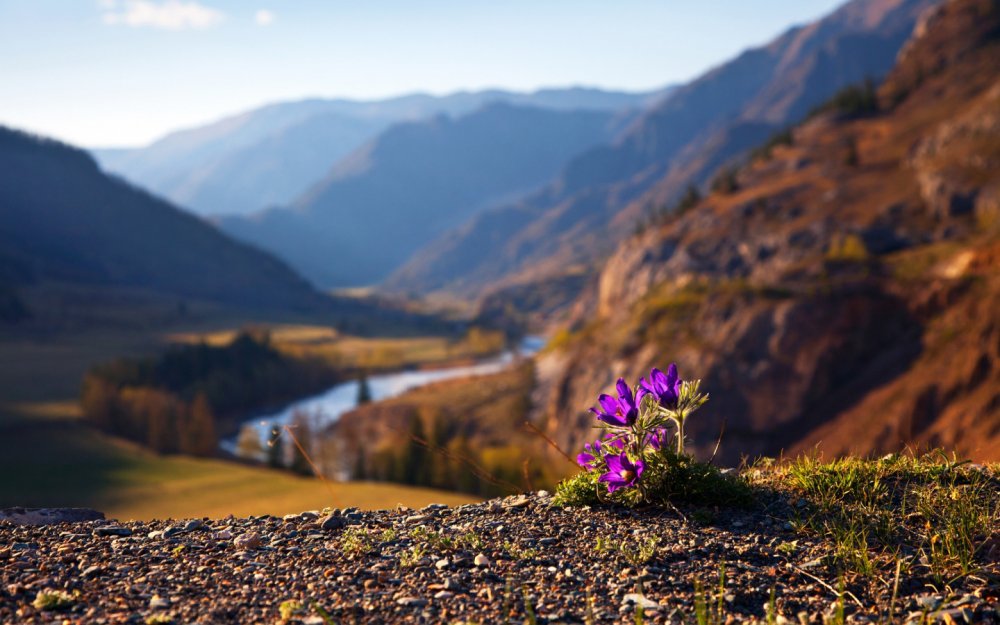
(517, 559)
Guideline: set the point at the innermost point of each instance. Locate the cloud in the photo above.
(263, 17)
(165, 15)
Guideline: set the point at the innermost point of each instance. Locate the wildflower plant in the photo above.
(639, 456)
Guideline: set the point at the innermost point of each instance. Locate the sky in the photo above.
(103, 73)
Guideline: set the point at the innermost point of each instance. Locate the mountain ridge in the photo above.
(195, 166)
(602, 194)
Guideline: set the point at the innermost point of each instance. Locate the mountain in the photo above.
(413, 182)
(62, 219)
(270, 155)
(602, 194)
(843, 292)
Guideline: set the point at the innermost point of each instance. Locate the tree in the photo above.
(364, 391)
(198, 436)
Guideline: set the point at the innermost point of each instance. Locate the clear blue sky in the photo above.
(123, 72)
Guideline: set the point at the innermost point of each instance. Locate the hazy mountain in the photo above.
(413, 182)
(600, 195)
(62, 219)
(843, 292)
(272, 154)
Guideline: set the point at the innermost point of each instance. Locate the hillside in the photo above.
(600, 196)
(63, 220)
(414, 182)
(271, 155)
(843, 291)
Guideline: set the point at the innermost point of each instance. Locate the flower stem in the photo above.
(680, 433)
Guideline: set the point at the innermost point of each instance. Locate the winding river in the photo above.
(327, 407)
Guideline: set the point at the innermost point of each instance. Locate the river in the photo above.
(327, 407)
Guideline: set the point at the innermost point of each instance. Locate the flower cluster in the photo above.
(637, 423)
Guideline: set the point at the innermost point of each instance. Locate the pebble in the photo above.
(193, 524)
(441, 564)
(481, 561)
(158, 603)
(444, 594)
(113, 530)
(333, 522)
(521, 501)
(412, 601)
(248, 541)
(417, 519)
(634, 598)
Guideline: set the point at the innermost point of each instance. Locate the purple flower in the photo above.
(621, 411)
(590, 453)
(665, 387)
(657, 439)
(622, 472)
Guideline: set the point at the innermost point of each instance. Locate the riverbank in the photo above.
(516, 558)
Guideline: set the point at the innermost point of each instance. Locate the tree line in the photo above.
(179, 401)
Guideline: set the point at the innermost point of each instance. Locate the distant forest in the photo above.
(178, 402)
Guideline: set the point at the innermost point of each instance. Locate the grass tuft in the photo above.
(931, 512)
(669, 478)
(54, 600)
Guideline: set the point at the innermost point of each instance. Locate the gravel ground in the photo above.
(499, 561)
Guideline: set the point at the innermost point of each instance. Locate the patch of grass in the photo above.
(935, 512)
(412, 556)
(669, 479)
(357, 540)
(518, 552)
(54, 600)
(710, 609)
(290, 609)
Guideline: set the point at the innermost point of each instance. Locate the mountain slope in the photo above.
(846, 293)
(601, 195)
(414, 182)
(272, 154)
(62, 219)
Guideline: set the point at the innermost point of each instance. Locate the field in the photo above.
(372, 353)
(49, 458)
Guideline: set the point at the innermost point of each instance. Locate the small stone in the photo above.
(292, 518)
(248, 541)
(113, 530)
(481, 561)
(442, 564)
(193, 524)
(520, 501)
(416, 519)
(415, 602)
(634, 598)
(158, 603)
(544, 494)
(444, 594)
(172, 531)
(92, 571)
(452, 584)
(333, 522)
(309, 515)
(548, 542)
(224, 534)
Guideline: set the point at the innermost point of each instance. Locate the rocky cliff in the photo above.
(842, 290)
